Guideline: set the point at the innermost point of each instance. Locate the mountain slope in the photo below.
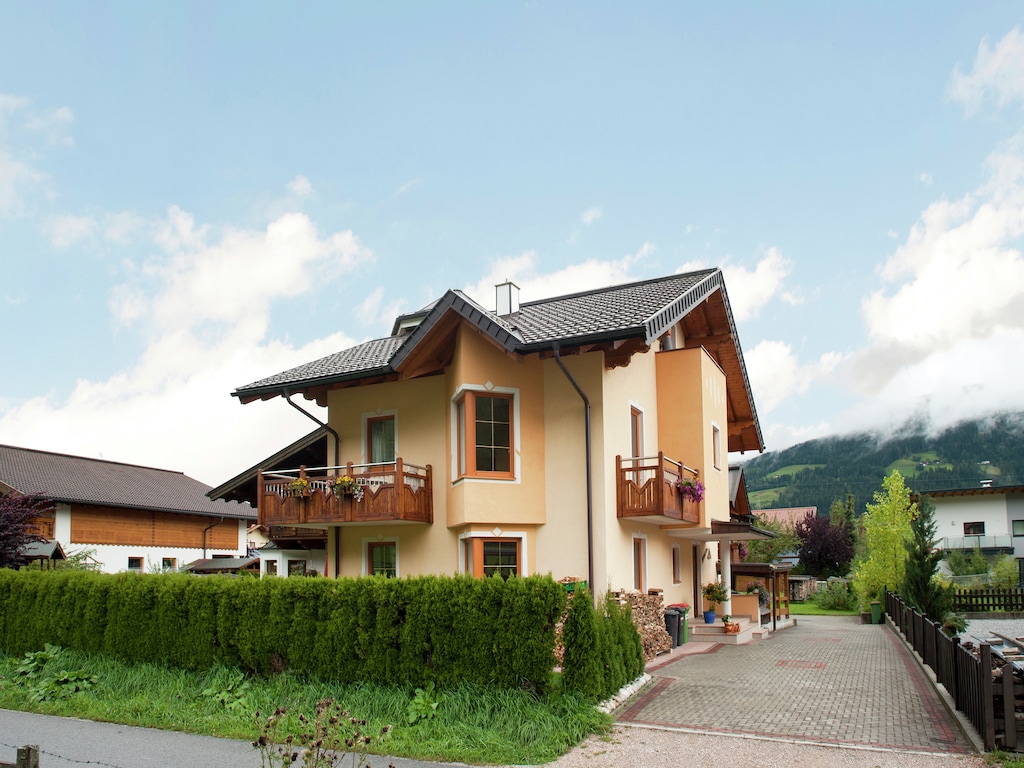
(817, 472)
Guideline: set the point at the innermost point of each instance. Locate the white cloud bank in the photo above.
(203, 303)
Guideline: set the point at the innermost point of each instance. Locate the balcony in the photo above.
(646, 490)
(392, 492)
(989, 545)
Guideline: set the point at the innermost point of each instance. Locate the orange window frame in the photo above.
(476, 548)
(467, 427)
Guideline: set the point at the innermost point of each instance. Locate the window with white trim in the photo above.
(382, 558)
(485, 429)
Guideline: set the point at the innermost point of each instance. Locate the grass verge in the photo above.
(810, 609)
(469, 724)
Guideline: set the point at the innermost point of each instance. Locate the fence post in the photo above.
(987, 700)
(28, 756)
(1009, 720)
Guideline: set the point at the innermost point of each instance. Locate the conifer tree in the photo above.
(919, 587)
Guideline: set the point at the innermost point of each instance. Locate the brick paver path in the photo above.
(827, 680)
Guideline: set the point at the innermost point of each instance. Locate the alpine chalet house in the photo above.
(543, 437)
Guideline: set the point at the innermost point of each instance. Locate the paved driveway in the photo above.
(828, 680)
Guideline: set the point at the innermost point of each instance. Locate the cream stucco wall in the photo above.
(679, 393)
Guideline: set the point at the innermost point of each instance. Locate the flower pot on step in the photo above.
(709, 617)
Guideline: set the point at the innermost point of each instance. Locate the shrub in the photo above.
(836, 596)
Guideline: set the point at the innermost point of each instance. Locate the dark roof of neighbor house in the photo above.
(309, 450)
(81, 480)
(223, 565)
(621, 320)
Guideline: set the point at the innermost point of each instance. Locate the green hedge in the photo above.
(391, 631)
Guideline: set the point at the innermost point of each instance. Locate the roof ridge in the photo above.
(93, 458)
(619, 286)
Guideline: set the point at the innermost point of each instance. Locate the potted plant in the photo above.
(714, 593)
(731, 627)
(690, 488)
(345, 485)
(298, 487)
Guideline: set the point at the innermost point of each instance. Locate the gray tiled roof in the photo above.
(619, 311)
(602, 312)
(360, 359)
(65, 478)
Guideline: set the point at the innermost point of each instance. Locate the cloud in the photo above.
(300, 186)
(926, 179)
(523, 271)
(749, 291)
(202, 303)
(590, 216)
(776, 375)
(20, 124)
(998, 71)
(54, 125)
(68, 230)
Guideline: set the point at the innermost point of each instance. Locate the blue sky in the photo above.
(197, 195)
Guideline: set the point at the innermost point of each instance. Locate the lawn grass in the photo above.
(810, 609)
(470, 724)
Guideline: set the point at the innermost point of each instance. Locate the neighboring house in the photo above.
(987, 518)
(133, 518)
(788, 516)
(542, 437)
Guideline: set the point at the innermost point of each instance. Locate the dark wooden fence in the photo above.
(984, 600)
(966, 677)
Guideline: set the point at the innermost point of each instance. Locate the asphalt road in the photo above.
(67, 742)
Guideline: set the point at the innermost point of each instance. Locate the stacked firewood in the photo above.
(649, 617)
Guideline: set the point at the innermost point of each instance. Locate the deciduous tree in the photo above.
(826, 545)
(886, 529)
(16, 515)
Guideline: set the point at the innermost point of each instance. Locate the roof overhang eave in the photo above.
(247, 395)
(619, 334)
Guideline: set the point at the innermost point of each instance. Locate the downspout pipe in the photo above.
(337, 463)
(207, 528)
(304, 412)
(590, 478)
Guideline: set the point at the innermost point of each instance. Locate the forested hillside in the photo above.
(818, 472)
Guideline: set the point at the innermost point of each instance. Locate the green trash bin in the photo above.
(684, 624)
(876, 612)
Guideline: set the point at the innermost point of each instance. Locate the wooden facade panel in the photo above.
(133, 527)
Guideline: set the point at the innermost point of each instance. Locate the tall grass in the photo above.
(471, 724)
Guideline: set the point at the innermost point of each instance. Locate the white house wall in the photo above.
(952, 512)
(114, 558)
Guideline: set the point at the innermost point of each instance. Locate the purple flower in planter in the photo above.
(691, 488)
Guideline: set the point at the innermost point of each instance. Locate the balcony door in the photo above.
(380, 439)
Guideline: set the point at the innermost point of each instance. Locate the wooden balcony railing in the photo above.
(389, 492)
(646, 488)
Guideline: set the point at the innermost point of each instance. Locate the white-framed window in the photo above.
(486, 428)
(270, 567)
(1018, 527)
(716, 445)
(380, 557)
(380, 436)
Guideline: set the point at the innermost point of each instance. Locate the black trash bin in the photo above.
(672, 621)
